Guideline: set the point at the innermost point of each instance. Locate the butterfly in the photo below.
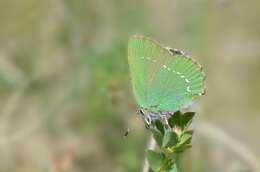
(163, 79)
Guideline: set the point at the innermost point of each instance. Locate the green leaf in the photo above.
(155, 159)
(173, 168)
(185, 138)
(175, 119)
(189, 132)
(187, 118)
(170, 138)
(158, 137)
(181, 148)
(159, 126)
(168, 164)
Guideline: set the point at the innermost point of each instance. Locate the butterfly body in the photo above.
(148, 116)
(163, 79)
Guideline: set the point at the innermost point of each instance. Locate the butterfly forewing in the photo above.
(145, 59)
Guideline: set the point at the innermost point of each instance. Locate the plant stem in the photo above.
(151, 145)
(215, 133)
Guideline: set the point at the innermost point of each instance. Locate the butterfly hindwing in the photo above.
(177, 83)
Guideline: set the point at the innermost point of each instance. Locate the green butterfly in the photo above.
(163, 79)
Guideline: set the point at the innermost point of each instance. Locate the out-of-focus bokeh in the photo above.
(66, 97)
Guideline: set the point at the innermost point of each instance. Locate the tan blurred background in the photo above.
(65, 90)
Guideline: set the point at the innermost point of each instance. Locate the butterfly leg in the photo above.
(165, 119)
(148, 121)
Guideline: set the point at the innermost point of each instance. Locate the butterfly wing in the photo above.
(160, 80)
(145, 59)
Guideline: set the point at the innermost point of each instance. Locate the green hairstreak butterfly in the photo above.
(163, 79)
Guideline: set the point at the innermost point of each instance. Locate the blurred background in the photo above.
(65, 92)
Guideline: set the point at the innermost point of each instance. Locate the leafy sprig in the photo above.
(172, 137)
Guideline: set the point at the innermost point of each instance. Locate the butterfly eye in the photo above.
(141, 112)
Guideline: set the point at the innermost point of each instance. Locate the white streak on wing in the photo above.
(188, 89)
(186, 80)
(169, 69)
(182, 76)
(164, 66)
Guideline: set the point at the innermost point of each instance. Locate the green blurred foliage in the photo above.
(65, 85)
